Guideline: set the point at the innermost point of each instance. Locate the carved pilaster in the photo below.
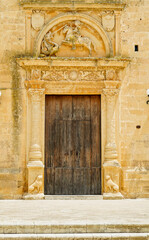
(28, 31)
(35, 154)
(35, 164)
(117, 33)
(111, 148)
(111, 165)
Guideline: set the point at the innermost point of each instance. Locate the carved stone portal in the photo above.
(96, 77)
(73, 53)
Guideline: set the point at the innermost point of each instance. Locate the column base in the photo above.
(113, 196)
(35, 180)
(38, 196)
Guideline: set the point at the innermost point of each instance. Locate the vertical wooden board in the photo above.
(76, 144)
(58, 181)
(65, 143)
(49, 130)
(81, 148)
(95, 181)
(69, 148)
(87, 107)
(47, 155)
(92, 182)
(86, 181)
(56, 161)
(51, 139)
(58, 107)
(51, 108)
(87, 144)
(78, 181)
(98, 180)
(95, 131)
(49, 181)
(66, 107)
(67, 185)
(64, 154)
(78, 108)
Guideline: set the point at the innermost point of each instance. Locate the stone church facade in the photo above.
(73, 98)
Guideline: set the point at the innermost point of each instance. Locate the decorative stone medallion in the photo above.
(37, 20)
(108, 22)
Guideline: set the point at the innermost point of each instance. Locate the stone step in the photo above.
(73, 197)
(46, 228)
(87, 236)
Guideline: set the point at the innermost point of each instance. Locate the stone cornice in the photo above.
(54, 62)
(71, 6)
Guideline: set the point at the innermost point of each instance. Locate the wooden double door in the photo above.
(73, 145)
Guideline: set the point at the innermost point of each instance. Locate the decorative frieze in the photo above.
(73, 75)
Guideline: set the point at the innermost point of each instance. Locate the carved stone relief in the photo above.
(108, 21)
(73, 75)
(36, 74)
(111, 75)
(74, 37)
(37, 20)
(48, 47)
(36, 187)
(111, 187)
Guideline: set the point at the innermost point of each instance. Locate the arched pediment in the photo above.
(73, 35)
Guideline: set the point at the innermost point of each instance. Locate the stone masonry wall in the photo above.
(133, 110)
(12, 137)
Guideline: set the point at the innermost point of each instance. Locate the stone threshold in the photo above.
(42, 227)
(73, 197)
(97, 236)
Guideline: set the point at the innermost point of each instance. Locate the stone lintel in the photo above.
(71, 6)
(28, 63)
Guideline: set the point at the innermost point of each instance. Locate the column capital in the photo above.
(36, 91)
(117, 12)
(110, 92)
(34, 84)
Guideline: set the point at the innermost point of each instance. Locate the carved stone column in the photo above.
(35, 165)
(111, 165)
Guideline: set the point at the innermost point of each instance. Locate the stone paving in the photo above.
(76, 211)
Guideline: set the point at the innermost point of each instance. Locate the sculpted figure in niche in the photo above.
(36, 187)
(73, 36)
(111, 187)
(48, 47)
